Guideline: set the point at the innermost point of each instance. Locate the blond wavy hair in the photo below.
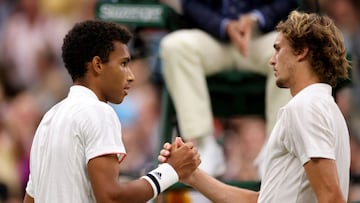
(327, 54)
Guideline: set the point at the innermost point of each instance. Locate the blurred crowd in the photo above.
(32, 79)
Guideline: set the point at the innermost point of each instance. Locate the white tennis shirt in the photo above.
(309, 126)
(71, 133)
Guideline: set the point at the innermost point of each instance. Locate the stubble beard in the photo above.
(281, 83)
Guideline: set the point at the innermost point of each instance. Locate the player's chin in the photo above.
(118, 99)
(281, 84)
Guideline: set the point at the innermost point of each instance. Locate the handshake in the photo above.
(183, 157)
(178, 161)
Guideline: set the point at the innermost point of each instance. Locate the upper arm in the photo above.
(323, 177)
(28, 199)
(104, 177)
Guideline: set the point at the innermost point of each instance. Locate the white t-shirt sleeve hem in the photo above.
(115, 150)
(322, 155)
(29, 188)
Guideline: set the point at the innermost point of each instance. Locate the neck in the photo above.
(297, 89)
(303, 78)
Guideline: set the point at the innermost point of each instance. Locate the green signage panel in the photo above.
(150, 15)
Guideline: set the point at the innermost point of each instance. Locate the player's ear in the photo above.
(96, 64)
(302, 54)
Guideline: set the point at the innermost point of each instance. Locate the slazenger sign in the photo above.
(131, 13)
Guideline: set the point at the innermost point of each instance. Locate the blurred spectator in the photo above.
(72, 10)
(6, 8)
(27, 32)
(21, 110)
(32, 79)
(18, 115)
(243, 140)
(53, 82)
(3, 192)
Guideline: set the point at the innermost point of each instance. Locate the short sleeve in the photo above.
(29, 187)
(101, 132)
(309, 132)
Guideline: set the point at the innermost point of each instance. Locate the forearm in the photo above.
(331, 198)
(206, 185)
(103, 173)
(134, 191)
(140, 190)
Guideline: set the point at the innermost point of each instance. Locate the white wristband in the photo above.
(152, 185)
(161, 178)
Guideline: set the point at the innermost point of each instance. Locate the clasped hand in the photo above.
(183, 157)
(240, 32)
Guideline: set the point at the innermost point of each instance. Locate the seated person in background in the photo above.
(228, 34)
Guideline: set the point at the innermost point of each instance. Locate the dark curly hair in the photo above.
(88, 39)
(327, 54)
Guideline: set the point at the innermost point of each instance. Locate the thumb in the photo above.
(178, 142)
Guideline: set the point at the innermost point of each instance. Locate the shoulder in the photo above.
(309, 107)
(83, 109)
(95, 109)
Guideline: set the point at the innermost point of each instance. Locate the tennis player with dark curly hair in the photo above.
(78, 147)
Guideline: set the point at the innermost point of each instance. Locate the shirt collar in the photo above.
(317, 88)
(322, 87)
(82, 91)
